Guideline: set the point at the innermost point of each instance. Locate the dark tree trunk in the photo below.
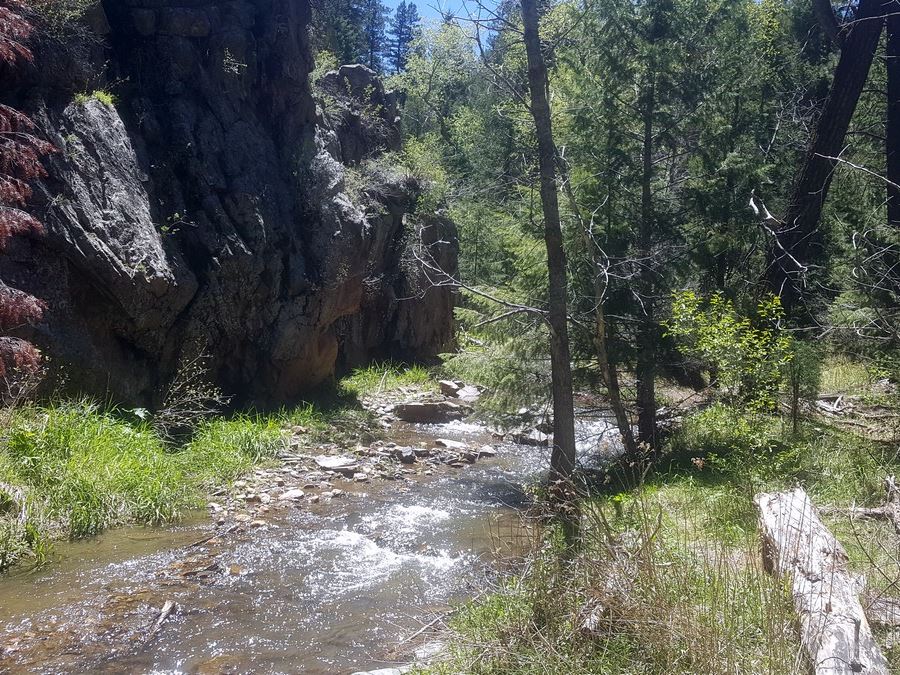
(562, 460)
(647, 337)
(892, 143)
(800, 237)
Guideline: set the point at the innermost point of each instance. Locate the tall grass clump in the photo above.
(387, 376)
(224, 448)
(91, 469)
(652, 589)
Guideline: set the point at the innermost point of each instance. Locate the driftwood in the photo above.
(833, 627)
(889, 511)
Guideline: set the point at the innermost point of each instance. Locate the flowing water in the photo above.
(330, 588)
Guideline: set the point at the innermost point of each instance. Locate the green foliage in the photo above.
(104, 97)
(61, 18)
(91, 470)
(726, 445)
(747, 354)
(652, 591)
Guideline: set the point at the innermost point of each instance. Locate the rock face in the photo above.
(208, 210)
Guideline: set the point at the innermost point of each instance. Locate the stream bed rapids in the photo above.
(327, 588)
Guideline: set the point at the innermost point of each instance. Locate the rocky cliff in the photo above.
(207, 208)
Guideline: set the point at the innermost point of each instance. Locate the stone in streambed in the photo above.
(405, 455)
(450, 444)
(431, 412)
(487, 451)
(340, 463)
(449, 387)
(291, 495)
(533, 437)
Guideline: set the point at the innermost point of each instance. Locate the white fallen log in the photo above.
(833, 627)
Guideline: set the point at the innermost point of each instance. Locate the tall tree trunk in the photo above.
(800, 238)
(562, 460)
(892, 143)
(645, 371)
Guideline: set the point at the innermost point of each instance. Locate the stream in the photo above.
(327, 588)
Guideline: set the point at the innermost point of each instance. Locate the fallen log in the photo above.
(833, 627)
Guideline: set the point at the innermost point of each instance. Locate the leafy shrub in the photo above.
(747, 355)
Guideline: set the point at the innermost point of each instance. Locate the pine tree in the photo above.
(404, 28)
(375, 16)
(20, 163)
(338, 27)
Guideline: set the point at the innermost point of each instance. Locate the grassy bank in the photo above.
(74, 468)
(669, 576)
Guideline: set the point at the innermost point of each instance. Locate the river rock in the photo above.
(361, 477)
(340, 463)
(450, 444)
(449, 387)
(468, 394)
(487, 451)
(533, 437)
(430, 412)
(405, 455)
(292, 495)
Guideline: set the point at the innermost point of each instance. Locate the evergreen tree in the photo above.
(404, 28)
(374, 15)
(339, 28)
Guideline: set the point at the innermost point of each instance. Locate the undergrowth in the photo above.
(669, 576)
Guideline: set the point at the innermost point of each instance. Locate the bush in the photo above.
(746, 354)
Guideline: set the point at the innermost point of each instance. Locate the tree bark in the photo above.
(647, 338)
(833, 627)
(562, 460)
(892, 143)
(800, 240)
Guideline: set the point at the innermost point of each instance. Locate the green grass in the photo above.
(83, 469)
(673, 598)
(842, 375)
(380, 378)
(104, 97)
(224, 448)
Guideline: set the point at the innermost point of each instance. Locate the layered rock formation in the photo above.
(208, 209)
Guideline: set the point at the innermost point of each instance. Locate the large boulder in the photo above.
(207, 211)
